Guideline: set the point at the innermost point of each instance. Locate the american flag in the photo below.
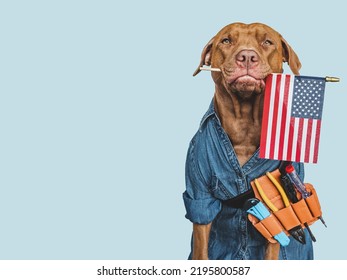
(292, 118)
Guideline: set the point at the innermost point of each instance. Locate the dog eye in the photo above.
(267, 43)
(226, 41)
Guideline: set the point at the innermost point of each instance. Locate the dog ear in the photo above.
(205, 56)
(290, 57)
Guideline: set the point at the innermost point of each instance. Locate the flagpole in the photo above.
(210, 69)
(327, 79)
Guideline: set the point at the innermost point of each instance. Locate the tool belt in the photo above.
(304, 212)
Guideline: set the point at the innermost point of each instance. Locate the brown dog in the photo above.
(246, 54)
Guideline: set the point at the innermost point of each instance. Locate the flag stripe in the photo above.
(280, 120)
(313, 140)
(290, 138)
(315, 154)
(303, 140)
(308, 141)
(270, 120)
(287, 136)
(299, 138)
(275, 115)
(285, 117)
(265, 116)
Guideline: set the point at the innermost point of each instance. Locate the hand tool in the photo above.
(286, 183)
(294, 178)
(291, 193)
(297, 232)
(256, 208)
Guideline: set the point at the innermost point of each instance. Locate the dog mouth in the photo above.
(247, 84)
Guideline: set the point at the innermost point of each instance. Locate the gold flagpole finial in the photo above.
(332, 79)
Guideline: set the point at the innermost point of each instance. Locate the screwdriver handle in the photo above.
(294, 178)
(289, 189)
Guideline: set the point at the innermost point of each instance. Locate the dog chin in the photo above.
(246, 86)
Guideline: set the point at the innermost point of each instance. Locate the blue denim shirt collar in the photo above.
(210, 112)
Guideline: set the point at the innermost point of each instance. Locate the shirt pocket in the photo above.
(219, 190)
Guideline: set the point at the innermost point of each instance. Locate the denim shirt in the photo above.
(213, 174)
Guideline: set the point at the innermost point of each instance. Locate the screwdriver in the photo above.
(291, 193)
(294, 178)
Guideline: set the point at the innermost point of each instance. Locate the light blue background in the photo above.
(98, 105)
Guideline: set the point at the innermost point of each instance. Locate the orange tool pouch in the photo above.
(304, 211)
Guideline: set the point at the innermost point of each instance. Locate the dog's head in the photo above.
(246, 54)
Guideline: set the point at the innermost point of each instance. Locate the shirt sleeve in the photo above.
(201, 206)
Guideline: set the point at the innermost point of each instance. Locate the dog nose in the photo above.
(247, 59)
